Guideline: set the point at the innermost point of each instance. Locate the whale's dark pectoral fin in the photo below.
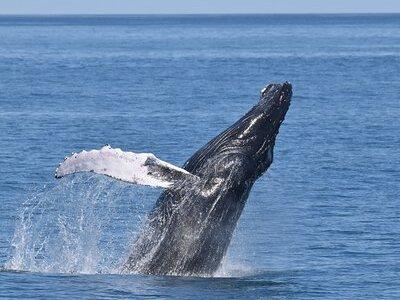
(137, 168)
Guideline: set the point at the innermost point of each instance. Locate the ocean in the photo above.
(323, 222)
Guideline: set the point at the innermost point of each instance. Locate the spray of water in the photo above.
(81, 224)
(86, 224)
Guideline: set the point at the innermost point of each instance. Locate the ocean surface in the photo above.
(323, 222)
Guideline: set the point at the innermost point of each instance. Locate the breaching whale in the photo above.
(191, 225)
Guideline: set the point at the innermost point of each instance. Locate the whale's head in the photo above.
(253, 135)
(256, 132)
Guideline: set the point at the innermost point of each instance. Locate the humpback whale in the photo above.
(190, 226)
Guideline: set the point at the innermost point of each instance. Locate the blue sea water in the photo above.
(322, 223)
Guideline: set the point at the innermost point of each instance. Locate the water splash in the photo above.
(232, 267)
(86, 224)
(81, 224)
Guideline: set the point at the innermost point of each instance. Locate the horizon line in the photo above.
(200, 13)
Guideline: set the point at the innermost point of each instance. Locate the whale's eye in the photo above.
(213, 185)
(217, 181)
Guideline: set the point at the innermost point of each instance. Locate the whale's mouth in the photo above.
(267, 118)
(286, 92)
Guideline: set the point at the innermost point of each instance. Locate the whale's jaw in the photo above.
(190, 228)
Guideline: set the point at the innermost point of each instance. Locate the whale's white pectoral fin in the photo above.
(138, 168)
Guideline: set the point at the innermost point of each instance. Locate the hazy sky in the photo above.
(195, 6)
